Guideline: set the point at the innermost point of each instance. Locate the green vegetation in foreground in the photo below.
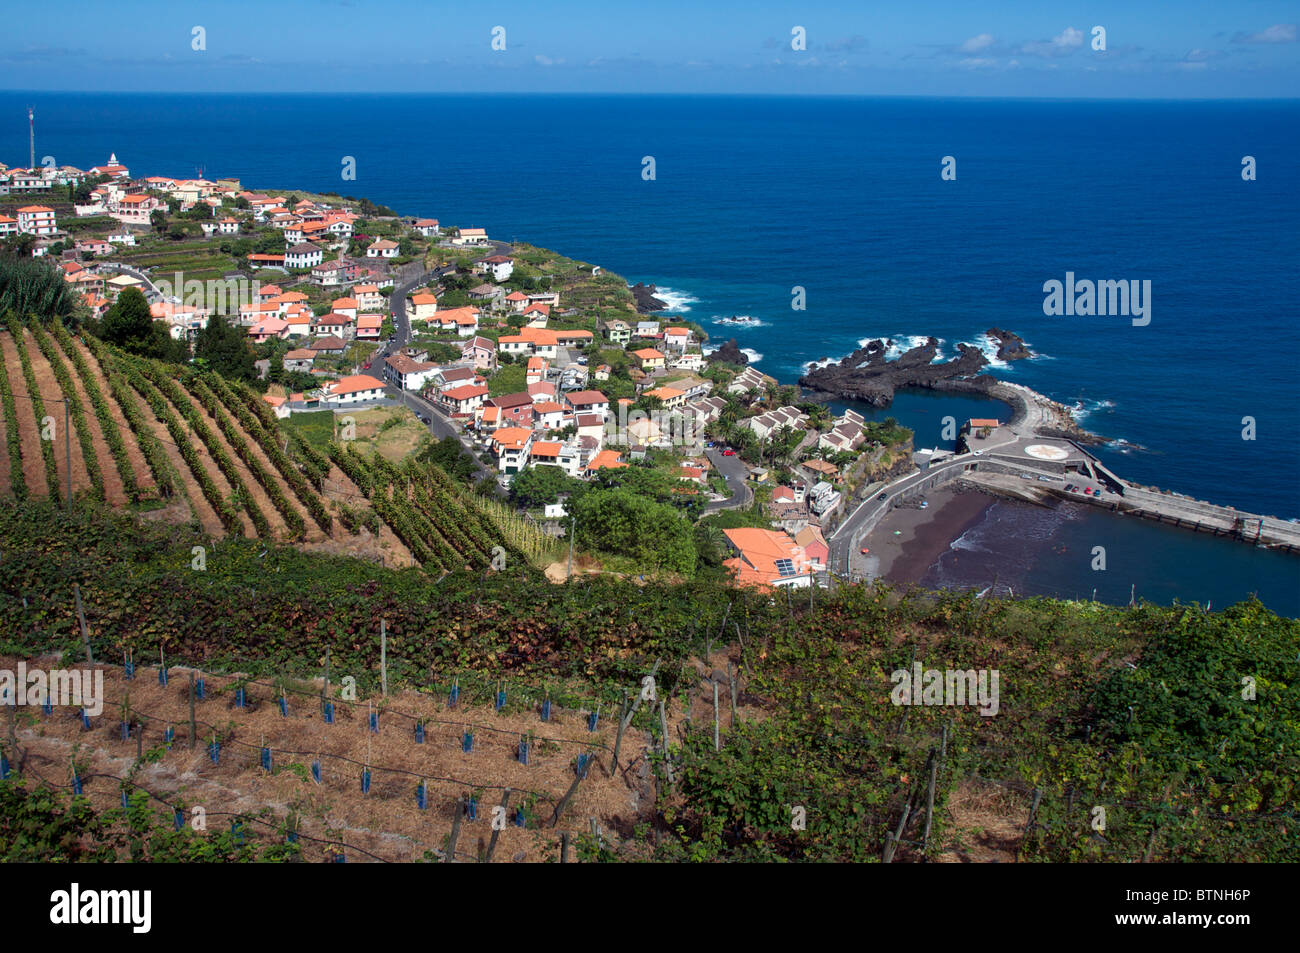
(1138, 710)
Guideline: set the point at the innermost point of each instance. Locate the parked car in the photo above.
(728, 452)
(882, 496)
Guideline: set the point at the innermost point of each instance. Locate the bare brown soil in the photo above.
(387, 821)
(988, 823)
(139, 466)
(255, 489)
(114, 491)
(29, 430)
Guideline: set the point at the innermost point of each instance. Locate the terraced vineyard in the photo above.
(181, 444)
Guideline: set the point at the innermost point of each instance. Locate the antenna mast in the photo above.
(31, 132)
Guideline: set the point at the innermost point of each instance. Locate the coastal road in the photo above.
(734, 470)
(844, 542)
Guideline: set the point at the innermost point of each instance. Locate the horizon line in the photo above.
(646, 93)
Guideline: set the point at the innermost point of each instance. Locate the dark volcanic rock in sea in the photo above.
(867, 376)
(729, 353)
(1011, 347)
(646, 302)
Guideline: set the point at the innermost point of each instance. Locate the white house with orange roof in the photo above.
(369, 326)
(536, 315)
(381, 248)
(368, 298)
(470, 236)
(511, 446)
(768, 559)
(536, 370)
(8, 226)
(676, 339)
(424, 305)
(428, 227)
(37, 220)
(135, 209)
(462, 399)
(354, 389)
(228, 226)
(464, 321)
(517, 301)
(346, 306)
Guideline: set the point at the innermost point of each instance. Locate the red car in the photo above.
(728, 452)
(865, 551)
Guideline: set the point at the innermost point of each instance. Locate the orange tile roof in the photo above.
(355, 383)
(606, 460)
(512, 438)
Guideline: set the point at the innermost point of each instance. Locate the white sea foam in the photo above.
(722, 320)
(677, 301)
(754, 356)
(1083, 409)
(810, 366)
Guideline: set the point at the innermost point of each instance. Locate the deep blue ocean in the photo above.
(753, 196)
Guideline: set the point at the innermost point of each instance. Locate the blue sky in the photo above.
(1191, 49)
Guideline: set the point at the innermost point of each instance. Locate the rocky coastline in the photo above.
(646, 302)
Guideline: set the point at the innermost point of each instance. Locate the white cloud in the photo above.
(1278, 33)
(976, 43)
(1069, 40)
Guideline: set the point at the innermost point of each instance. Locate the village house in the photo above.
(767, 559)
(135, 209)
(369, 326)
(649, 358)
(514, 409)
(517, 301)
(331, 346)
(8, 226)
(605, 460)
(746, 381)
(368, 298)
(589, 402)
(768, 423)
(354, 389)
(462, 400)
(547, 415)
(481, 352)
(676, 339)
(617, 332)
(566, 456)
(336, 325)
(37, 220)
(573, 337)
(499, 267)
(299, 359)
(382, 248)
(302, 255)
(464, 321)
(345, 306)
(407, 374)
(536, 315)
(670, 397)
(485, 294)
(428, 227)
(470, 236)
(536, 370)
(511, 445)
(328, 273)
(424, 305)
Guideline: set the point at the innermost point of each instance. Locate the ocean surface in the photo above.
(753, 196)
